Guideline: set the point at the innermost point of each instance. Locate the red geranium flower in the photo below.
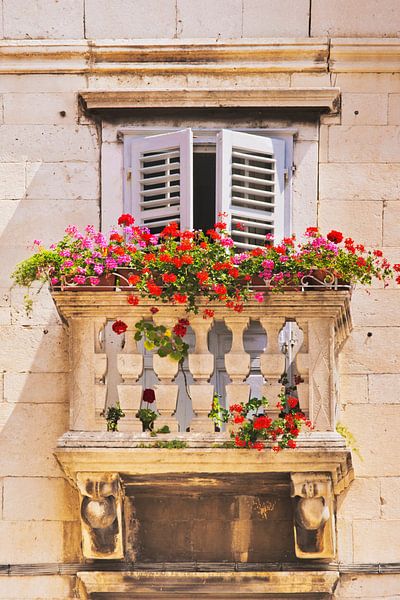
(126, 219)
(153, 288)
(292, 401)
(180, 298)
(119, 327)
(335, 236)
(262, 422)
(133, 279)
(149, 395)
(154, 310)
(133, 300)
(291, 444)
(115, 237)
(169, 277)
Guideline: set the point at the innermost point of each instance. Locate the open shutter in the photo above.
(250, 186)
(161, 180)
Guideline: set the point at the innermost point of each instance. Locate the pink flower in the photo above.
(54, 280)
(79, 279)
(36, 242)
(94, 280)
(98, 269)
(259, 296)
(268, 264)
(227, 242)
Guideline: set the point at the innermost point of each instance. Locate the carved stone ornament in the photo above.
(101, 515)
(314, 520)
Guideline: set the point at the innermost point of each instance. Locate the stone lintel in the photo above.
(323, 99)
(365, 55)
(177, 584)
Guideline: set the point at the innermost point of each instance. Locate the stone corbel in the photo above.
(101, 515)
(313, 511)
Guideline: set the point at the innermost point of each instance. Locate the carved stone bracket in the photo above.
(314, 519)
(101, 515)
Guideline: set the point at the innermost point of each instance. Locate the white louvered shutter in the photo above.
(250, 186)
(161, 180)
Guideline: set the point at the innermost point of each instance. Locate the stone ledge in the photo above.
(365, 55)
(175, 584)
(325, 99)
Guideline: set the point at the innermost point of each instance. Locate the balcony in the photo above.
(219, 505)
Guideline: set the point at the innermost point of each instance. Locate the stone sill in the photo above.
(177, 584)
(98, 452)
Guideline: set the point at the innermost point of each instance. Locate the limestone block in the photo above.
(376, 307)
(38, 587)
(364, 144)
(120, 19)
(209, 19)
(310, 80)
(344, 531)
(50, 499)
(390, 497)
(48, 143)
(42, 83)
(12, 180)
(364, 109)
(376, 541)
(111, 184)
(47, 220)
(36, 388)
(375, 18)
(371, 354)
(43, 310)
(359, 181)
(10, 256)
(383, 388)
(66, 180)
(5, 316)
(365, 83)
(32, 541)
(391, 220)
(33, 349)
(345, 216)
(304, 184)
(40, 108)
(394, 109)
(353, 389)
(367, 585)
(374, 428)
(275, 18)
(29, 435)
(361, 500)
(43, 19)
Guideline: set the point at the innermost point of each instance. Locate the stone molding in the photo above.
(178, 584)
(208, 57)
(307, 98)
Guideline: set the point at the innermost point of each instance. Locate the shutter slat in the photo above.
(162, 190)
(250, 202)
(244, 167)
(167, 155)
(154, 203)
(252, 191)
(266, 159)
(249, 223)
(250, 179)
(162, 222)
(247, 234)
(160, 168)
(159, 179)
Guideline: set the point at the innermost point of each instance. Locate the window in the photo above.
(189, 176)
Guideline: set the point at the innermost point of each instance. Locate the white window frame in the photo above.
(204, 139)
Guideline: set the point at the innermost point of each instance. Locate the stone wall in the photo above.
(50, 176)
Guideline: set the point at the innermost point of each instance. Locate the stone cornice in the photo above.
(307, 98)
(181, 584)
(150, 57)
(364, 55)
(231, 57)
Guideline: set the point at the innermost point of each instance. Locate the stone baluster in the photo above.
(237, 361)
(166, 370)
(201, 366)
(321, 362)
(303, 368)
(130, 367)
(88, 369)
(272, 361)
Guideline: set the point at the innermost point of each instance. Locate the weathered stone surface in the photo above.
(390, 497)
(376, 307)
(344, 540)
(39, 499)
(371, 354)
(364, 144)
(376, 541)
(368, 83)
(209, 19)
(383, 389)
(394, 109)
(344, 216)
(305, 185)
(43, 309)
(391, 220)
(361, 500)
(274, 18)
(42, 587)
(36, 388)
(27, 83)
(28, 436)
(364, 109)
(26, 108)
(43, 19)
(48, 143)
(374, 429)
(368, 586)
(353, 389)
(44, 349)
(66, 180)
(12, 180)
(120, 19)
(376, 18)
(32, 541)
(359, 181)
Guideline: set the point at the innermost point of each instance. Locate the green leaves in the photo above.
(163, 340)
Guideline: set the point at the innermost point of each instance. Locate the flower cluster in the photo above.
(251, 427)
